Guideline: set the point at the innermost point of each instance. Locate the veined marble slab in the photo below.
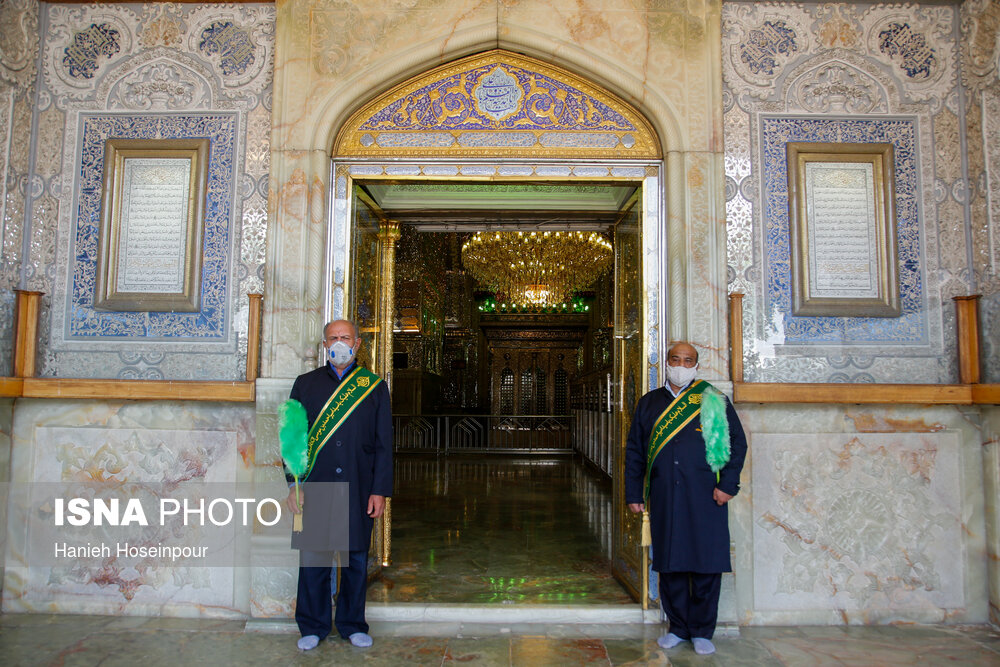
(143, 445)
(493, 614)
(862, 522)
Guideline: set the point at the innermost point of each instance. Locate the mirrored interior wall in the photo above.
(457, 348)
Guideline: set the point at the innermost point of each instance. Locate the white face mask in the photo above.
(681, 376)
(340, 353)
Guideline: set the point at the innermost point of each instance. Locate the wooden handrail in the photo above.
(142, 390)
(861, 393)
(11, 387)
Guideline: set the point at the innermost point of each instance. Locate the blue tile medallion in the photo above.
(80, 58)
(765, 44)
(917, 57)
(237, 50)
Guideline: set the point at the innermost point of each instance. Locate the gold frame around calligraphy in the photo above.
(882, 220)
(117, 152)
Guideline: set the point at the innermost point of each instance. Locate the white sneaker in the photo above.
(361, 639)
(703, 646)
(308, 643)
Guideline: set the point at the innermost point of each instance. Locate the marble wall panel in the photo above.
(273, 573)
(141, 64)
(832, 66)
(6, 423)
(991, 491)
(668, 44)
(705, 288)
(142, 443)
(861, 515)
(295, 264)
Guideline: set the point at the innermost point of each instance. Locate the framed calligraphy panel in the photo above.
(152, 217)
(843, 229)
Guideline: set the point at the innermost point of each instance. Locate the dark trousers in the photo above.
(691, 602)
(313, 606)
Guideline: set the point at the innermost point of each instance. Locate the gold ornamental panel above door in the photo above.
(498, 104)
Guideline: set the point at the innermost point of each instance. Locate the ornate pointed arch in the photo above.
(498, 104)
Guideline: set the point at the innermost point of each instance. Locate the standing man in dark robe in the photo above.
(683, 459)
(353, 443)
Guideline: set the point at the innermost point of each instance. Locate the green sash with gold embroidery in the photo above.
(678, 414)
(352, 390)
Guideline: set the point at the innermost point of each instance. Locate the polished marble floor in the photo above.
(499, 530)
(66, 641)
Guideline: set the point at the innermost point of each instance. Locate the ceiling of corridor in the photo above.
(457, 206)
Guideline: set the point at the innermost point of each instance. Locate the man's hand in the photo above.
(294, 504)
(720, 497)
(376, 505)
(637, 508)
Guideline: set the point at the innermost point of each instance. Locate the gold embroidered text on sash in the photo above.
(671, 421)
(348, 396)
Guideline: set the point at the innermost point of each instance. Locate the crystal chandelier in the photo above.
(540, 269)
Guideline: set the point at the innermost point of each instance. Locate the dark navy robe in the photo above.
(359, 452)
(690, 532)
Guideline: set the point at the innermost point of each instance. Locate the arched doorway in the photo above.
(478, 125)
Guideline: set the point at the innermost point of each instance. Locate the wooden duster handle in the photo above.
(297, 518)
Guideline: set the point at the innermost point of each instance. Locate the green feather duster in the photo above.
(715, 429)
(293, 434)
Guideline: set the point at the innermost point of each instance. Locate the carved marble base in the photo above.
(867, 527)
(991, 492)
(150, 445)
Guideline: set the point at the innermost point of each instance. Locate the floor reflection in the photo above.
(499, 530)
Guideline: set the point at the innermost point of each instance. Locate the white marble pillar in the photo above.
(991, 493)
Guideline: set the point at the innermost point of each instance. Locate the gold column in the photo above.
(388, 234)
